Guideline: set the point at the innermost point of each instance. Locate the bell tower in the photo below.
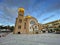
(19, 25)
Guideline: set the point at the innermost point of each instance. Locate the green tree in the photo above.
(12, 28)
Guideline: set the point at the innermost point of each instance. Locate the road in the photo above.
(30, 39)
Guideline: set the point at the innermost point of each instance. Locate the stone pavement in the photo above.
(30, 39)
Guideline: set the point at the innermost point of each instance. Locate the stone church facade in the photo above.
(26, 24)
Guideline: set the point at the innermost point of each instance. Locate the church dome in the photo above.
(28, 16)
(21, 9)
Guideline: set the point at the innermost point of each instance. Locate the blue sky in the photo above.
(43, 10)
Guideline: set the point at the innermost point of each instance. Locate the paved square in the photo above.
(31, 39)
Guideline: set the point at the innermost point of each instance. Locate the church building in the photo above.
(26, 24)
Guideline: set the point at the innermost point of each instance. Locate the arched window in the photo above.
(32, 22)
(20, 20)
(19, 27)
(24, 25)
(36, 27)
